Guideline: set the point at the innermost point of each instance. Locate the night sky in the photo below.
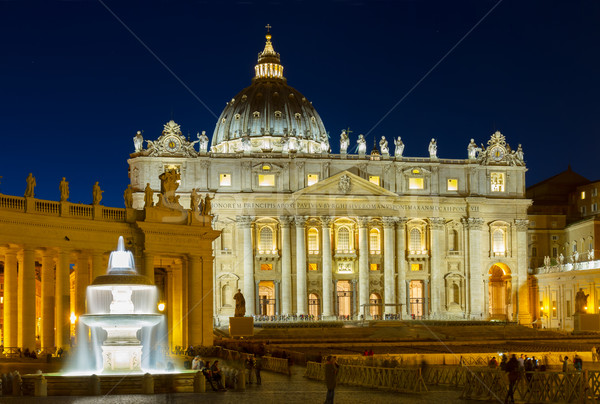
(76, 84)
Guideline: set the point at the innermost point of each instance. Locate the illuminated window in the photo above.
(313, 241)
(225, 180)
(312, 179)
(345, 267)
(497, 182)
(498, 242)
(416, 183)
(374, 241)
(415, 240)
(343, 239)
(266, 267)
(313, 267)
(416, 171)
(452, 184)
(374, 179)
(266, 239)
(582, 194)
(374, 267)
(415, 267)
(266, 180)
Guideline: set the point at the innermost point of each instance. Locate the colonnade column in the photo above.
(62, 300)
(401, 262)
(26, 300)
(326, 253)
(47, 337)
(82, 280)
(363, 264)
(195, 297)
(10, 300)
(149, 265)
(286, 267)
(301, 297)
(389, 296)
(437, 248)
(521, 284)
(475, 276)
(98, 267)
(245, 225)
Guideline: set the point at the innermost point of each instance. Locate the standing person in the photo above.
(512, 368)
(578, 362)
(216, 375)
(257, 369)
(250, 368)
(331, 368)
(206, 372)
(565, 364)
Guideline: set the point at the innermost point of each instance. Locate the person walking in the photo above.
(216, 375)
(512, 368)
(331, 368)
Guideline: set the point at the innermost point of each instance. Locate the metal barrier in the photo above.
(453, 376)
(406, 380)
(277, 365)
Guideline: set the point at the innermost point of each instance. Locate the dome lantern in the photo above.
(269, 65)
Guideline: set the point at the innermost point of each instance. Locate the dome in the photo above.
(268, 116)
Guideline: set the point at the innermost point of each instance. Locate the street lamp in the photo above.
(161, 306)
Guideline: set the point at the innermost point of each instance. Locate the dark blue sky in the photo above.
(75, 84)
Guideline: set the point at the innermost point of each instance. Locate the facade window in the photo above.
(574, 246)
(415, 240)
(594, 207)
(455, 294)
(266, 240)
(312, 179)
(415, 267)
(594, 192)
(344, 267)
(583, 210)
(225, 180)
(343, 239)
(225, 295)
(554, 237)
(374, 179)
(497, 182)
(499, 245)
(554, 252)
(266, 180)
(374, 267)
(452, 184)
(266, 267)
(314, 305)
(313, 241)
(534, 251)
(453, 240)
(416, 183)
(374, 241)
(582, 195)
(313, 266)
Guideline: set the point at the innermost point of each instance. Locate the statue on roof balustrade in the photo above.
(399, 146)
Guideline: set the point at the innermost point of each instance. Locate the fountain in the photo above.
(120, 303)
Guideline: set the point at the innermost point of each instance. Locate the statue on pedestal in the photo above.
(138, 142)
(546, 261)
(240, 304)
(561, 259)
(206, 208)
(203, 142)
(473, 150)
(324, 143)
(399, 146)
(344, 142)
(195, 201)
(148, 196)
(581, 301)
(362, 145)
(168, 185)
(30, 190)
(433, 149)
(128, 196)
(96, 194)
(383, 146)
(64, 190)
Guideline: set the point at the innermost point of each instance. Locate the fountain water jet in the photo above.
(111, 308)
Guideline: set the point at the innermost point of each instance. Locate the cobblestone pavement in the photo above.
(275, 388)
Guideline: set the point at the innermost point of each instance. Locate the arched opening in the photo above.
(266, 240)
(499, 292)
(415, 240)
(266, 298)
(314, 305)
(416, 299)
(313, 241)
(344, 296)
(343, 240)
(374, 241)
(375, 308)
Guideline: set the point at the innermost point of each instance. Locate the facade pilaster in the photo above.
(10, 299)
(363, 264)
(47, 297)
(520, 283)
(327, 272)
(437, 248)
(388, 264)
(244, 223)
(286, 267)
(149, 265)
(26, 300)
(301, 295)
(82, 280)
(195, 289)
(63, 301)
(98, 267)
(401, 263)
(475, 274)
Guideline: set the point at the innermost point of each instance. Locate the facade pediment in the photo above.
(344, 184)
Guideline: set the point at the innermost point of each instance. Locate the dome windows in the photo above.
(237, 117)
(256, 114)
(244, 98)
(297, 116)
(277, 114)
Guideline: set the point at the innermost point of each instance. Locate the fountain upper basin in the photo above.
(127, 320)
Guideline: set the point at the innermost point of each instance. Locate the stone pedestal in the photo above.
(586, 322)
(122, 358)
(241, 326)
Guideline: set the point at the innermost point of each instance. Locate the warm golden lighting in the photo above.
(73, 318)
(416, 183)
(585, 308)
(161, 306)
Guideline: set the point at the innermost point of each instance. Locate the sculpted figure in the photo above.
(30, 190)
(128, 196)
(433, 149)
(97, 194)
(519, 156)
(575, 257)
(581, 301)
(383, 146)
(206, 208)
(344, 142)
(138, 142)
(194, 200)
(240, 304)
(473, 150)
(561, 259)
(64, 190)
(148, 196)
(362, 144)
(246, 143)
(324, 143)
(591, 255)
(399, 146)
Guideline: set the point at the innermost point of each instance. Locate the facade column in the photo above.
(354, 311)
(98, 267)
(286, 268)
(426, 298)
(475, 275)
(363, 264)
(301, 295)
(401, 263)
(82, 280)
(520, 283)
(277, 286)
(257, 294)
(195, 289)
(10, 300)
(245, 225)
(26, 300)
(149, 265)
(47, 332)
(63, 301)
(327, 271)
(389, 296)
(437, 249)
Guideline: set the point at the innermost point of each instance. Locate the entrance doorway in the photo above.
(314, 305)
(344, 299)
(416, 299)
(499, 292)
(375, 309)
(266, 298)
